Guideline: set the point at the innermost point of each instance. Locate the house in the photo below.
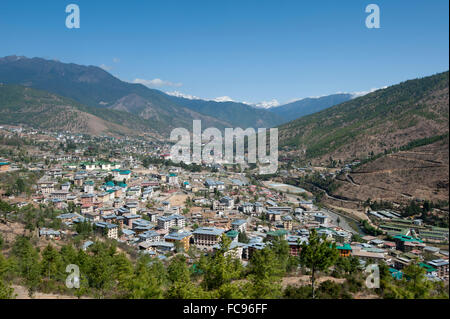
(150, 236)
(153, 216)
(88, 187)
(429, 269)
(161, 246)
(320, 218)
(235, 250)
(175, 220)
(279, 233)
(113, 219)
(128, 234)
(227, 202)
(65, 187)
(141, 225)
(401, 262)
(49, 233)
(246, 208)
(342, 236)
(58, 203)
(366, 255)
(5, 166)
(129, 218)
(274, 215)
(107, 229)
(306, 204)
(183, 238)
(132, 207)
(68, 218)
(294, 243)
(89, 166)
(119, 174)
(166, 205)
(287, 222)
(239, 225)
(441, 266)
(213, 185)
(173, 179)
(285, 209)
(86, 245)
(90, 214)
(207, 236)
(258, 208)
(233, 235)
(62, 195)
(46, 187)
(406, 243)
(271, 203)
(78, 181)
(103, 197)
(87, 199)
(248, 250)
(109, 185)
(344, 250)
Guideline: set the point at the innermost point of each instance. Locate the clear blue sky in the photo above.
(250, 50)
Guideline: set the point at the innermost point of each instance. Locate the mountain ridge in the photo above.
(95, 87)
(377, 121)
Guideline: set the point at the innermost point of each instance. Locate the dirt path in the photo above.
(306, 280)
(22, 293)
(353, 213)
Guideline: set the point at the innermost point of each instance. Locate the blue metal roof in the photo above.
(209, 231)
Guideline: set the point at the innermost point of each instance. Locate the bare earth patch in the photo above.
(22, 293)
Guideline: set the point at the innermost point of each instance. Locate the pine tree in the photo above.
(317, 255)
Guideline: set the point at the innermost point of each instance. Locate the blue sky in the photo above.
(249, 50)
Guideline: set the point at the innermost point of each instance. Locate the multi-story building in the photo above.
(88, 187)
(46, 187)
(441, 266)
(175, 220)
(344, 250)
(407, 243)
(108, 229)
(120, 174)
(87, 199)
(173, 179)
(214, 185)
(227, 202)
(207, 236)
(62, 195)
(239, 225)
(287, 222)
(4, 166)
(183, 238)
(150, 236)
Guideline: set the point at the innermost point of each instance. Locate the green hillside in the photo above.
(40, 109)
(378, 121)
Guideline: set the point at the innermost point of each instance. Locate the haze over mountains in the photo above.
(307, 106)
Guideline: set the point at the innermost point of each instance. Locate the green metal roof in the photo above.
(278, 232)
(397, 274)
(232, 233)
(344, 247)
(427, 267)
(407, 238)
